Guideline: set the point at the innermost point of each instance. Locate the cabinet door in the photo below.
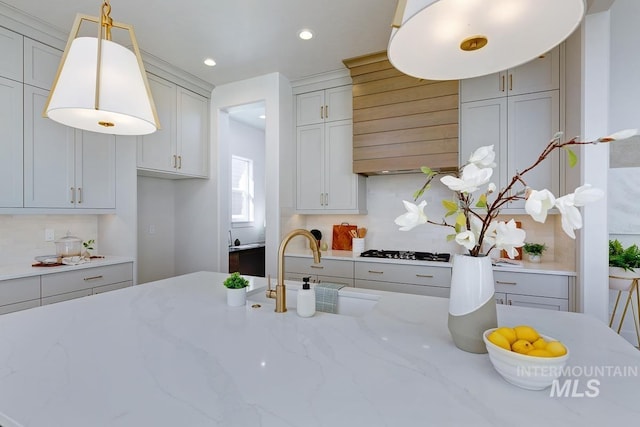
(538, 75)
(11, 160)
(40, 64)
(157, 151)
(537, 302)
(310, 108)
(48, 156)
(310, 164)
(95, 157)
(338, 104)
(484, 87)
(193, 139)
(533, 120)
(340, 182)
(11, 53)
(485, 123)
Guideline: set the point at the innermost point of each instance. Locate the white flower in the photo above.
(538, 203)
(617, 136)
(415, 216)
(491, 187)
(509, 237)
(472, 177)
(571, 218)
(587, 194)
(466, 238)
(483, 157)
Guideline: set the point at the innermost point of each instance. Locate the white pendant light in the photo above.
(458, 39)
(101, 86)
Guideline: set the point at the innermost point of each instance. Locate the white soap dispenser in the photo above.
(306, 303)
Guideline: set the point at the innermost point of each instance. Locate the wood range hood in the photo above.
(401, 123)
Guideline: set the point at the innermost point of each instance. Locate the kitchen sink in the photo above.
(350, 302)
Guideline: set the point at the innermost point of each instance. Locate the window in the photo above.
(242, 205)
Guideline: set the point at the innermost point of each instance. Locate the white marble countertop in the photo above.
(172, 353)
(25, 269)
(546, 267)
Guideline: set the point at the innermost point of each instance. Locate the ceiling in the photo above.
(246, 38)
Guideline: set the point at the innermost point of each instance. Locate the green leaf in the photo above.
(461, 219)
(418, 193)
(450, 206)
(427, 171)
(573, 159)
(450, 237)
(482, 201)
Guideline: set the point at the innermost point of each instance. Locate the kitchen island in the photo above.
(172, 353)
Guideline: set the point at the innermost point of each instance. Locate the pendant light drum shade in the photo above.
(429, 36)
(124, 107)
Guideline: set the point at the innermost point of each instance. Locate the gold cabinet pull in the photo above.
(509, 302)
(321, 199)
(86, 279)
(326, 111)
(73, 196)
(79, 195)
(376, 272)
(510, 82)
(428, 276)
(502, 84)
(326, 199)
(179, 162)
(322, 111)
(500, 282)
(175, 161)
(320, 267)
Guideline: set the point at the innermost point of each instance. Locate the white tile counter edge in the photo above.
(17, 271)
(552, 268)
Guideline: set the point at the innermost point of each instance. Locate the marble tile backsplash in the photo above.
(22, 236)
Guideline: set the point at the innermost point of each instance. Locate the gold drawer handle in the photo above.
(500, 282)
(86, 279)
(317, 266)
(376, 272)
(428, 276)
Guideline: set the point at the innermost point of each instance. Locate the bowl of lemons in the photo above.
(524, 357)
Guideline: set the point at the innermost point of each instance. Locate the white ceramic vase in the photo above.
(472, 305)
(236, 297)
(534, 257)
(621, 279)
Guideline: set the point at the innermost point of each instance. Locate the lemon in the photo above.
(540, 352)
(499, 340)
(524, 332)
(508, 333)
(522, 346)
(556, 348)
(540, 343)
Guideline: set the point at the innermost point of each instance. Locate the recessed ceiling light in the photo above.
(210, 62)
(262, 116)
(305, 34)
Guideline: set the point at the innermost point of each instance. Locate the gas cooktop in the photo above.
(410, 255)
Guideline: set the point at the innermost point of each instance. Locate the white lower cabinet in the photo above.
(534, 290)
(79, 283)
(330, 271)
(19, 294)
(405, 278)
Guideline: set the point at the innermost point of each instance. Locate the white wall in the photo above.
(156, 230)
(249, 142)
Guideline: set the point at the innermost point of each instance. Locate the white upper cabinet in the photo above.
(11, 54)
(540, 74)
(518, 111)
(40, 64)
(65, 167)
(11, 145)
(180, 148)
(324, 106)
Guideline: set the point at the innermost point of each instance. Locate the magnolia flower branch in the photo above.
(474, 227)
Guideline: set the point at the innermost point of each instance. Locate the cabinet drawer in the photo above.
(328, 267)
(59, 283)
(432, 291)
(113, 287)
(66, 296)
(19, 306)
(19, 290)
(546, 285)
(404, 273)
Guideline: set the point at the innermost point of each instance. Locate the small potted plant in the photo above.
(534, 250)
(236, 292)
(624, 265)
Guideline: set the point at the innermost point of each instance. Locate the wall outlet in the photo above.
(49, 235)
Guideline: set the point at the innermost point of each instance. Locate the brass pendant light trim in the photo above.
(473, 43)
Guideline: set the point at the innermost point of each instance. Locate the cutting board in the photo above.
(342, 236)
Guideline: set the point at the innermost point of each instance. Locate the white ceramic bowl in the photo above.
(529, 372)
